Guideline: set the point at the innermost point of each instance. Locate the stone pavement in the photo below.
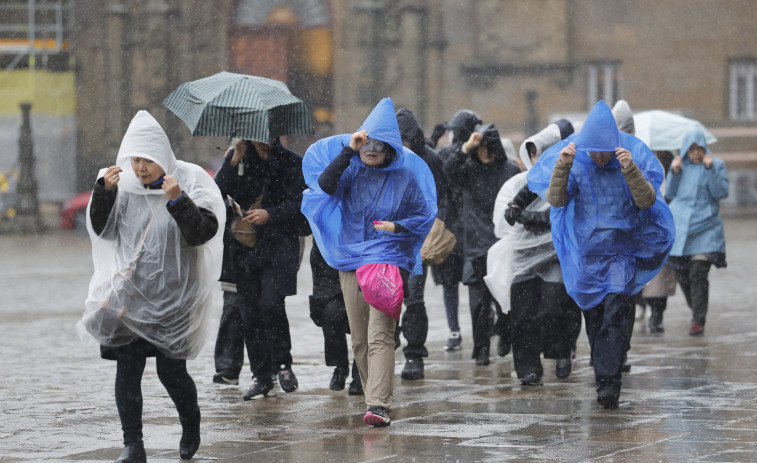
(686, 399)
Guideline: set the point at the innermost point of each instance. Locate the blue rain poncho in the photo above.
(402, 192)
(605, 243)
(695, 195)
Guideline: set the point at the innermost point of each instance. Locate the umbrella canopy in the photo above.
(664, 131)
(238, 105)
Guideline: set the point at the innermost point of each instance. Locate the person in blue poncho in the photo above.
(370, 201)
(611, 229)
(696, 183)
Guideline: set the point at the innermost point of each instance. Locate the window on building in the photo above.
(605, 83)
(743, 90)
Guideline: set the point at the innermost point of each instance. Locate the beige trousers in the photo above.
(372, 343)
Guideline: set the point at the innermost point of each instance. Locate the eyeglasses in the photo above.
(375, 145)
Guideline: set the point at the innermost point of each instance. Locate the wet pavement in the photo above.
(686, 399)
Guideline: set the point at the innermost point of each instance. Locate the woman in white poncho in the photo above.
(156, 225)
(544, 319)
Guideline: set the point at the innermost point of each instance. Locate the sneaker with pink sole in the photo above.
(376, 416)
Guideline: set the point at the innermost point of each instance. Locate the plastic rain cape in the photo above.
(403, 192)
(519, 252)
(604, 242)
(147, 282)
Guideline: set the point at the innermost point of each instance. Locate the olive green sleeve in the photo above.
(642, 191)
(557, 193)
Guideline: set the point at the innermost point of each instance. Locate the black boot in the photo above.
(356, 386)
(413, 369)
(655, 322)
(190, 437)
(608, 395)
(133, 453)
(339, 378)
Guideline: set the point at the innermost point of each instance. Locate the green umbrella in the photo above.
(238, 105)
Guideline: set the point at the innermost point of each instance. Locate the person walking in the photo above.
(371, 201)
(611, 228)
(544, 318)
(480, 168)
(696, 183)
(655, 294)
(414, 324)
(156, 228)
(263, 185)
(449, 273)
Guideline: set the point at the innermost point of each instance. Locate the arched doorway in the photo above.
(291, 41)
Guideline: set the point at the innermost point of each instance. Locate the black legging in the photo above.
(172, 373)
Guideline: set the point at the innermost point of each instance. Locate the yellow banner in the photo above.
(52, 93)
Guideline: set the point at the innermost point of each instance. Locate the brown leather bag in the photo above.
(242, 231)
(438, 244)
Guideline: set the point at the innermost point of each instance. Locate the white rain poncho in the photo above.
(520, 254)
(148, 282)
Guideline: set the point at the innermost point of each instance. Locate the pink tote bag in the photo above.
(382, 287)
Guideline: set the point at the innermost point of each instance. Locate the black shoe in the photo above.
(626, 367)
(482, 359)
(190, 441)
(219, 378)
(413, 369)
(531, 379)
(378, 417)
(608, 395)
(287, 379)
(338, 379)
(454, 342)
(563, 368)
(503, 346)
(258, 390)
(133, 453)
(356, 386)
(655, 322)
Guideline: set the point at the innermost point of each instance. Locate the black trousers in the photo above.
(695, 285)
(229, 351)
(482, 308)
(331, 315)
(607, 328)
(171, 372)
(265, 325)
(414, 325)
(544, 319)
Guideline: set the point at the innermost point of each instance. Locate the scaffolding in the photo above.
(32, 28)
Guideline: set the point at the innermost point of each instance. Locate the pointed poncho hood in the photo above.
(402, 192)
(605, 243)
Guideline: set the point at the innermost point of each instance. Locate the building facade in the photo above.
(518, 63)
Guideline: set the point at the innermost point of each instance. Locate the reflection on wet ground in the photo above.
(686, 399)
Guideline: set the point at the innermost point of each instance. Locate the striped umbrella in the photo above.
(238, 105)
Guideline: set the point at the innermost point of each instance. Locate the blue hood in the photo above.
(693, 137)
(381, 124)
(599, 133)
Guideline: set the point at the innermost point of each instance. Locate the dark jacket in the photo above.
(197, 225)
(480, 184)
(280, 182)
(411, 132)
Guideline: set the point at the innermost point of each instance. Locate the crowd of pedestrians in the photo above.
(583, 220)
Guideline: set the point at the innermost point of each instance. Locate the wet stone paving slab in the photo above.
(685, 399)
